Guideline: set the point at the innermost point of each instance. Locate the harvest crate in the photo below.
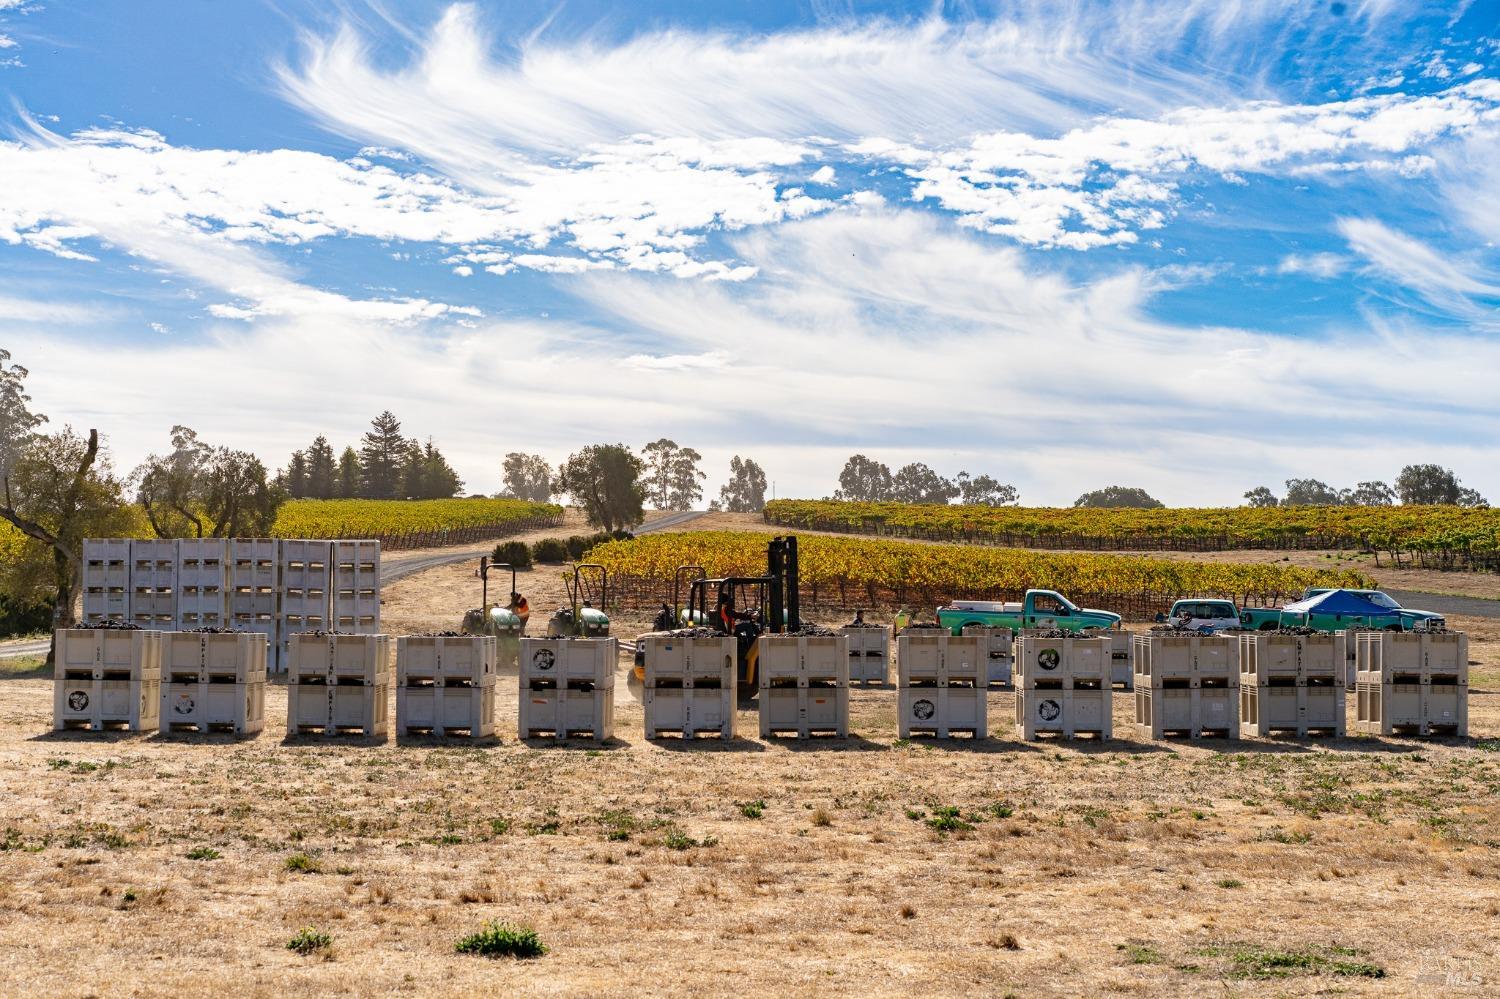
(678, 659)
(1066, 712)
(802, 660)
(1194, 712)
(106, 580)
(1269, 656)
(690, 685)
(1067, 662)
(356, 586)
(445, 685)
(869, 653)
(1186, 659)
(1288, 706)
(213, 707)
(565, 713)
(229, 657)
(934, 655)
(1122, 658)
(691, 710)
(941, 709)
(820, 708)
(999, 646)
(106, 679)
(1412, 683)
(569, 662)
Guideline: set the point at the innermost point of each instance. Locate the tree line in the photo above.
(613, 484)
(1424, 485)
(388, 465)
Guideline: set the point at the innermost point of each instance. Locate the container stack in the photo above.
(1186, 684)
(999, 646)
(107, 678)
(306, 576)
(338, 684)
(106, 581)
(567, 687)
(869, 653)
(1412, 683)
(804, 685)
(254, 575)
(153, 584)
(213, 682)
(941, 684)
(690, 684)
(1291, 683)
(1063, 686)
(356, 587)
(445, 685)
(202, 583)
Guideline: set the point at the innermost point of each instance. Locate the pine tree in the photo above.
(382, 458)
(322, 469)
(296, 475)
(350, 475)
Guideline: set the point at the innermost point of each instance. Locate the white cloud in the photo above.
(887, 332)
(1443, 279)
(27, 310)
(1319, 265)
(822, 175)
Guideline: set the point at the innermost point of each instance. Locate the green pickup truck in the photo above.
(1040, 609)
(1335, 610)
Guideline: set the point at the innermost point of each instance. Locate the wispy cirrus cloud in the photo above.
(1448, 282)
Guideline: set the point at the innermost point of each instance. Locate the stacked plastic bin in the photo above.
(213, 682)
(339, 684)
(1063, 686)
(1187, 684)
(567, 688)
(107, 678)
(445, 685)
(941, 684)
(804, 685)
(689, 685)
(999, 650)
(1291, 684)
(1412, 683)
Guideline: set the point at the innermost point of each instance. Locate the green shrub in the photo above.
(301, 863)
(203, 853)
(550, 550)
(515, 553)
(498, 939)
(309, 940)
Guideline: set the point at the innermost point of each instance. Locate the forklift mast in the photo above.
(781, 567)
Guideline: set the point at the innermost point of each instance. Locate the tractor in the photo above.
(507, 623)
(579, 618)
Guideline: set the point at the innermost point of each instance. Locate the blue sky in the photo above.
(1192, 246)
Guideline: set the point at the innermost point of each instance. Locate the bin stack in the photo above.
(1186, 684)
(941, 683)
(1063, 686)
(202, 583)
(1412, 683)
(107, 678)
(999, 646)
(1291, 683)
(445, 685)
(106, 581)
(567, 688)
(869, 652)
(153, 584)
(689, 684)
(253, 576)
(339, 684)
(804, 685)
(213, 682)
(356, 587)
(305, 577)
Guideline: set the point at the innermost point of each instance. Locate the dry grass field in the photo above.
(146, 865)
